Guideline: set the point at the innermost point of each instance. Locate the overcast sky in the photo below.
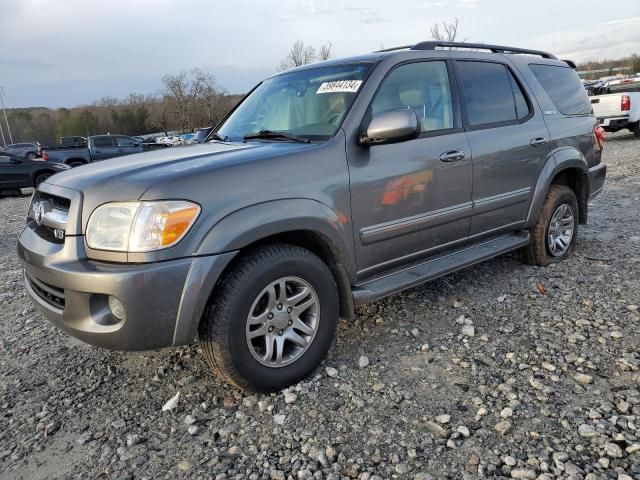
(70, 52)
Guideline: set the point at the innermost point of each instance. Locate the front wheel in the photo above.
(553, 237)
(272, 319)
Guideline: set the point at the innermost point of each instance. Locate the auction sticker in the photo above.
(339, 86)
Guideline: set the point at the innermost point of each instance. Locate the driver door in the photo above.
(409, 199)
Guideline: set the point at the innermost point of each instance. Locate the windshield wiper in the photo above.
(276, 134)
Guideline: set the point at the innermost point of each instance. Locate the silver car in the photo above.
(28, 151)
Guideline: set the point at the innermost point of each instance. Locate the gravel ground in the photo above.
(502, 370)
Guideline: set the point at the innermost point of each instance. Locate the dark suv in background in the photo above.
(329, 185)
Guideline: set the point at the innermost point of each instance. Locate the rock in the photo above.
(548, 366)
(583, 378)
(633, 448)
(423, 476)
(133, 439)
(468, 330)
(613, 450)
(424, 347)
(402, 469)
(85, 438)
(363, 361)
(464, 431)
(184, 465)
(279, 419)
(443, 419)
(587, 431)
(171, 403)
(190, 419)
(616, 334)
(52, 427)
(523, 473)
(415, 332)
(506, 412)
(503, 427)
(510, 461)
(436, 429)
(457, 304)
(290, 397)
(332, 372)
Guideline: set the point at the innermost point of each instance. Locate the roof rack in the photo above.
(432, 45)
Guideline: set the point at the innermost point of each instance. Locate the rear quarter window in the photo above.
(563, 86)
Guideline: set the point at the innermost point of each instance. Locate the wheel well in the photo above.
(69, 161)
(577, 181)
(40, 172)
(320, 246)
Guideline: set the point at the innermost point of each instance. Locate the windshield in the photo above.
(310, 103)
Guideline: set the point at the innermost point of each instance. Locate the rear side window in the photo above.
(491, 93)
(102, 142)
(564, 88)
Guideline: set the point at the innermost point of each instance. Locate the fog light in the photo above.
(116, 307)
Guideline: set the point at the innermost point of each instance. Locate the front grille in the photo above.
(54, 296)
(57, 204)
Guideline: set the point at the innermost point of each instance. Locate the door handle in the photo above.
(452, 156)
(540, 141)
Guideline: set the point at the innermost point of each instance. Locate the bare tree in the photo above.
(184, 91)
(302, 54)
(211, 94)
(325, 51)
(449, 33)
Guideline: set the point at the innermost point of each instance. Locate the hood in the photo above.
(128, 177)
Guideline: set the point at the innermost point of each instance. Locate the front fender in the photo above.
(561, 159)
(251, 224)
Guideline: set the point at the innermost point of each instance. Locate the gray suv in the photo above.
(328, 186)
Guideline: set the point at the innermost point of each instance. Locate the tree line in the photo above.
(189, 100)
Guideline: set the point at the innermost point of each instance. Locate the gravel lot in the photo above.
(502, 370)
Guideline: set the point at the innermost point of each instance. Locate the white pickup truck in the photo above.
(616, 111)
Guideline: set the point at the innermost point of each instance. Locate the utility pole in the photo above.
(4, 110)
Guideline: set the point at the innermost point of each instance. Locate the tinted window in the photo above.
(102, 142)
(522, 107)
(487, 92)
(422, 87)
(564, 88)
(124, 142)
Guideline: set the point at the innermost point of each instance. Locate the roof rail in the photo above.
(433, 44)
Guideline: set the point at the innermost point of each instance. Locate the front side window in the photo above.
(563, 86)
(124, 142)
(422, 87)
(488, 93)
(308, 103)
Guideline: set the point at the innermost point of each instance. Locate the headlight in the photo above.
(140, 226)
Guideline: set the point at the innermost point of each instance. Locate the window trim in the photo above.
(465, 118)
(455, 100)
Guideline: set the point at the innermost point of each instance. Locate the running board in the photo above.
(389, 284)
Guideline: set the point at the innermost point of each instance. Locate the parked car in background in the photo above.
(98, 147)
(65, 142)
(28, 151)
(330, 185)
(596, 87)
(618, 111)
(18, 172)
(151, 143)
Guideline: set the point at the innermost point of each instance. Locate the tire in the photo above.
(539, 252)
(225, 328)
(31, 156)
(636, 130)
(41, 178)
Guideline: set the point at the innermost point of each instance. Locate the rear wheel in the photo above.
(272, 319)
(636, 129)
(31, 156)
(553, 237)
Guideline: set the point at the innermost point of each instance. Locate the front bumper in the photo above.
(597, 176)
(163, 300)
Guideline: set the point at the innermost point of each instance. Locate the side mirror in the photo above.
(391, 127)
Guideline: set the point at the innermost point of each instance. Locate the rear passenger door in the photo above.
(509, 143)
(103, 148)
